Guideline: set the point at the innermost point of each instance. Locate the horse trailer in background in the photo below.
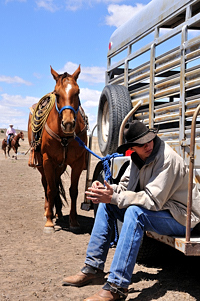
(153, 75)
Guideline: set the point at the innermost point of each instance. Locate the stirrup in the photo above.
(34, 158)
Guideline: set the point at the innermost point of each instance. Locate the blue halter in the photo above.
(67, 107)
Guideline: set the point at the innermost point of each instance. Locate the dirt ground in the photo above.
(33, 263)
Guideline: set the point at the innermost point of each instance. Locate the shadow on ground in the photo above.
(86, 224)
(176, 272)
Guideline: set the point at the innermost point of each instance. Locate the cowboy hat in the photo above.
(135, 133)
(10, 124)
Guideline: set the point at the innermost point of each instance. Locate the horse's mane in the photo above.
(65, 75)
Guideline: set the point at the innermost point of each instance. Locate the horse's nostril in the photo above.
(74, 123)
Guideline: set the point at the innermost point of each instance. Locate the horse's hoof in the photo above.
(49, 223)
(49, 230)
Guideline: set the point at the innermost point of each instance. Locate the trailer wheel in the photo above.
(114, 105)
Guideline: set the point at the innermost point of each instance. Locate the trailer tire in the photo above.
(114, 105)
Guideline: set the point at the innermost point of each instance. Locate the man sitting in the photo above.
(151, 196)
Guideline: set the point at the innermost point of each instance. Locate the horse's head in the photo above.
(67, 99)
(21, 135)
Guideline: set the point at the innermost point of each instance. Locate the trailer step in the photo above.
(191, 248)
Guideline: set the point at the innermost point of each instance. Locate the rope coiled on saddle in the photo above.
(40, 114)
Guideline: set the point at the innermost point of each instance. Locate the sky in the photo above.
(37, 34)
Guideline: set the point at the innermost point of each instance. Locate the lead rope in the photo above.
(105, 160)
(108, 176)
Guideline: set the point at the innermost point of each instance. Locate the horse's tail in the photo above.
(3, 144)
(62, 191)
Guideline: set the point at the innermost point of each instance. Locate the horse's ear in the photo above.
(54, 73)
(76, 73)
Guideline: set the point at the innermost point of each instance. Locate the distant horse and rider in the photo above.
(53, 124)
(12, 141)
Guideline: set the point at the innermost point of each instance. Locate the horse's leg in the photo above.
(4, 149)
(15, 151)
(5, 152)
(73, 191)
(8, 150)
(52, 190)
(58, 207)
(44, 184)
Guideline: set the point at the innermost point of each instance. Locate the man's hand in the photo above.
(97, 184)
(98, 193)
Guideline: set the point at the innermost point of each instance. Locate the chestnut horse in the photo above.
(59, 148)
(14, 144)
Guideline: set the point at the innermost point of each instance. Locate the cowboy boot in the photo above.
(85, 276)
(109, 292)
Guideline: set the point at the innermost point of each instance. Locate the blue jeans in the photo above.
(135, 220)
(8, 138)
